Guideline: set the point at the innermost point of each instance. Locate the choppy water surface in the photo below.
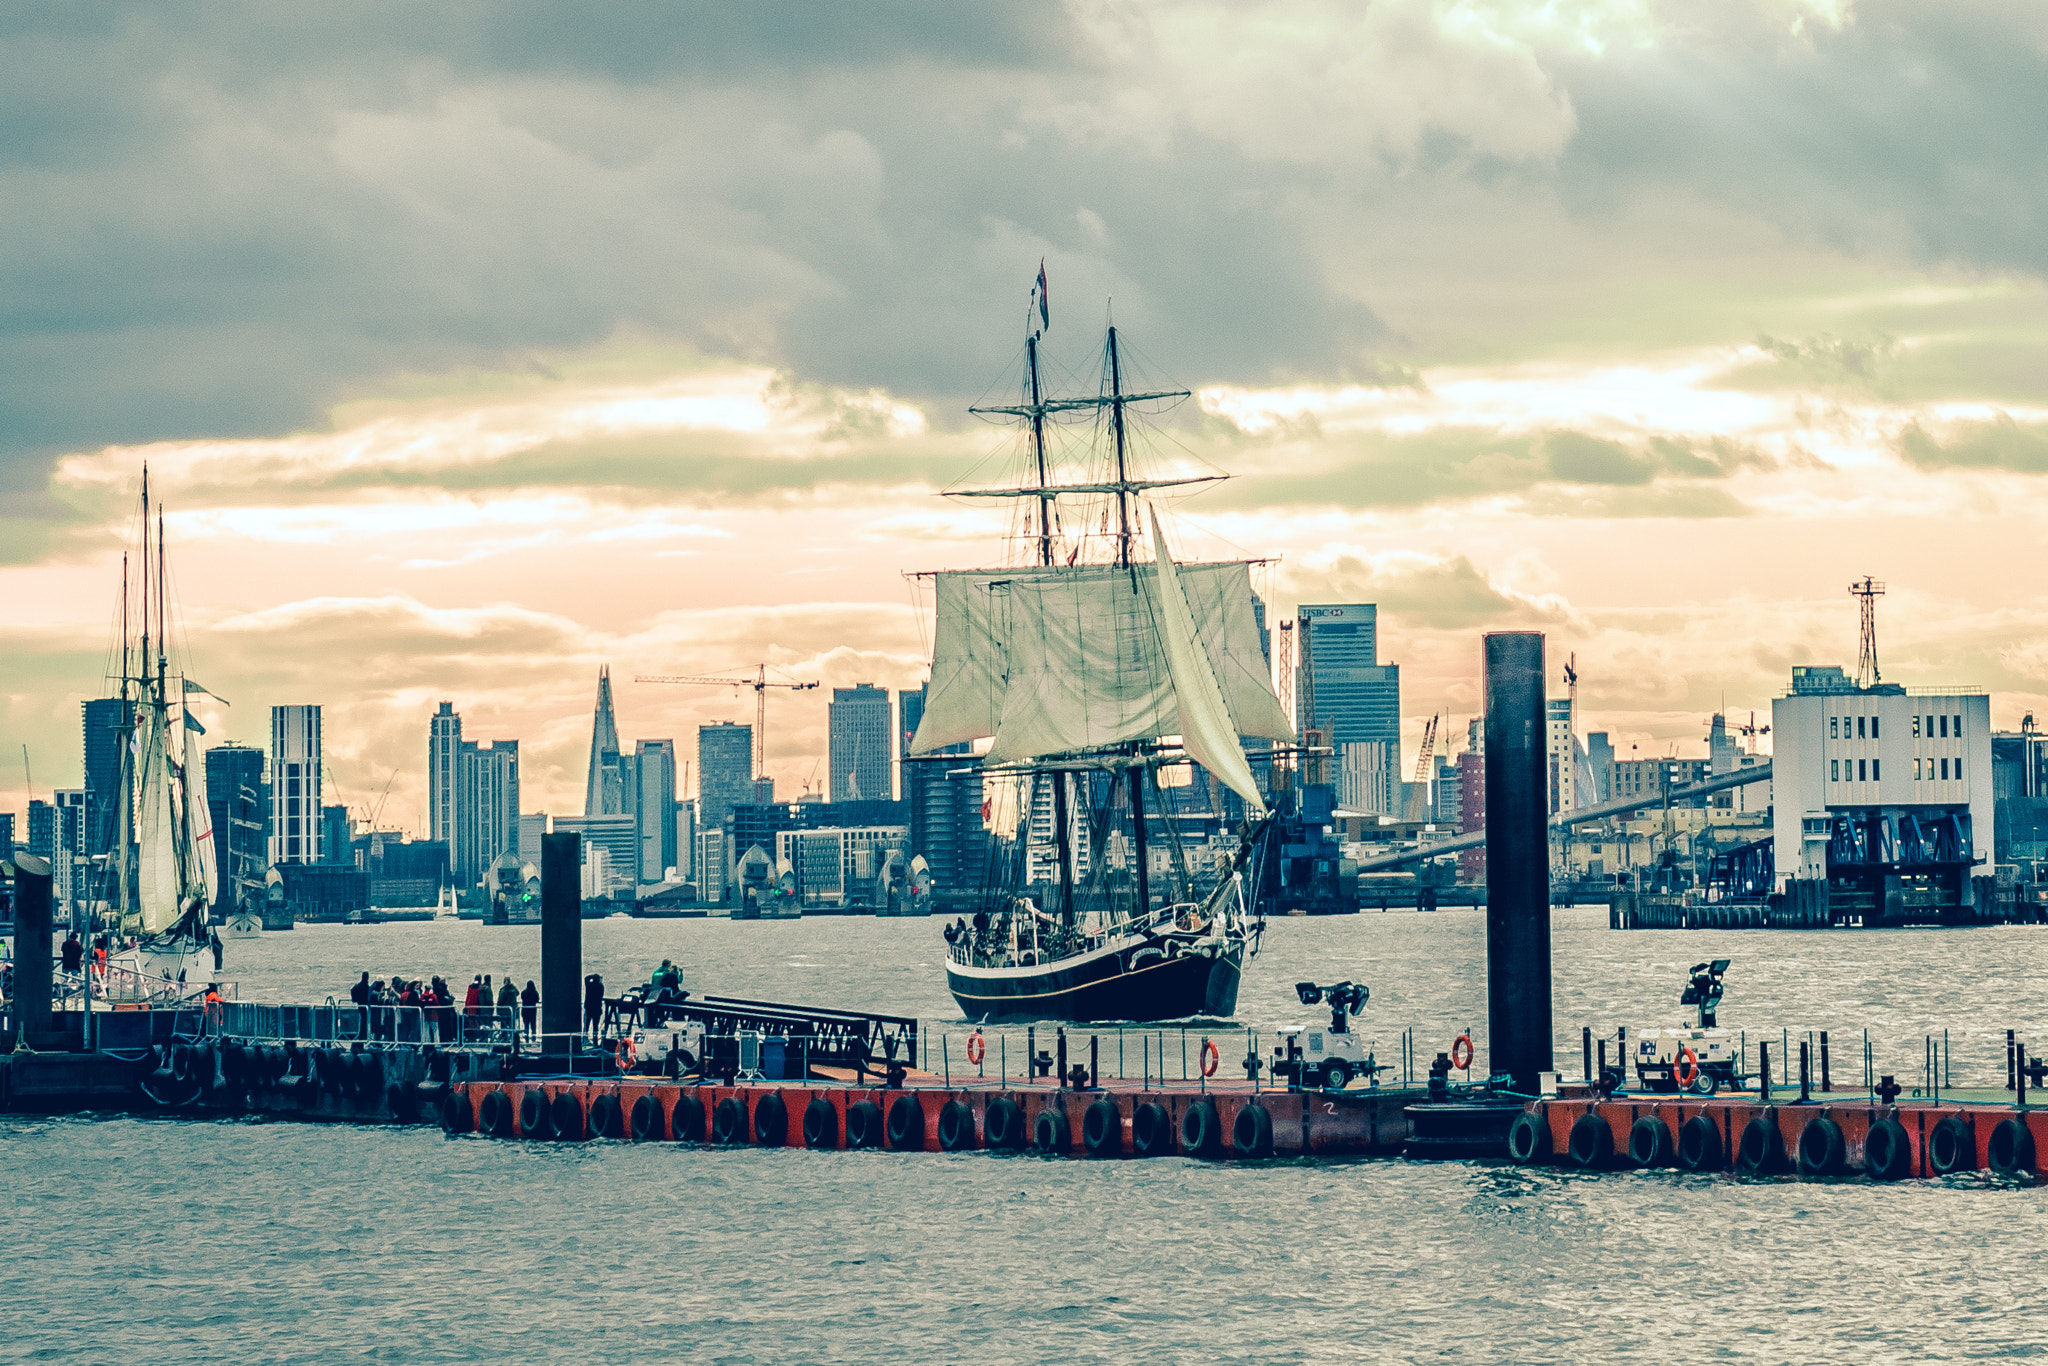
(231, 1241)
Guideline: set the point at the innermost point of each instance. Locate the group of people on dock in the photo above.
(428, 1011)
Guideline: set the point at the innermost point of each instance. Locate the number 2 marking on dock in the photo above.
(1329, 1107)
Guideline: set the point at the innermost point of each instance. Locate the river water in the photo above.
(243, 1241)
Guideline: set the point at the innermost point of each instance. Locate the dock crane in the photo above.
(760, 683)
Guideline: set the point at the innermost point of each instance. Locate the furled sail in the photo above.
(156, 834)
(1048, 660)
(202, 876)
(1205, 728)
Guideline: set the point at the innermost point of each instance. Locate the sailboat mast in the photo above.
(1137, 772)
(1038, 452)
(1116, 422)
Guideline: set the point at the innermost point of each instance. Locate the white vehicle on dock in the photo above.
(1699, 1059)
(669, 1050)
(1326, 1056)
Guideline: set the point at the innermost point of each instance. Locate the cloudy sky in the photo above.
(474, 347)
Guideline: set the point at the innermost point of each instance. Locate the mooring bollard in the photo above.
(1763, 1069)
(1825, 1084)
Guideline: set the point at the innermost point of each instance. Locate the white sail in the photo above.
(1051, 659)
(1206, 730)
(202, 873)
(157, 888)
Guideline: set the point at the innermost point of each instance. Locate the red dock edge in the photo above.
(1301, 1123)
(1982, 1146)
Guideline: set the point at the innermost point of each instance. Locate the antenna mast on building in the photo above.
(1869, 591)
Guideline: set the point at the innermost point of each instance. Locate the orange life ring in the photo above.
(624, 1054)
(1685, 1055)
(1464, 1061)
(977, 1049)
(1211, 1057)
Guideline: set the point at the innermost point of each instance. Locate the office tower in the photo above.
(1343, 682)
(295, 784)
(337, 836)
(1368, 778)
(858, 748)
(611, 851)
(1722, 750)
(686, 839)
(604, 792)
(1600, 759)
(943, 794)
(654, 806)
(486, 807)
(106, 720)
(57, 832)
(531, 828)
(725, 771)
(1562, 755)
(234, 797)
(444, 748)
(6, 835)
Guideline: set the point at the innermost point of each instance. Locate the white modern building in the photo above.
(838, 867)
(1882, 792)
(294, 784)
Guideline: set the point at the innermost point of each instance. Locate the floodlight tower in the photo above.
(1868, 591)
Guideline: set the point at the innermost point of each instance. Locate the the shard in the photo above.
(605, 792)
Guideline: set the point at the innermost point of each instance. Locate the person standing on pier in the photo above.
(508, 1005)
(593, 1006)
(74, 952)
(360, 994)
(529, 1008)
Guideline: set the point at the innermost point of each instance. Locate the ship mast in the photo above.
(1061, 840)
(1123, 481)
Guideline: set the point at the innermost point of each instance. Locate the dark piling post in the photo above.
(2011, 1074)
(1763, 1069)
(31, 950)
(1805, 1074)
(1061, 1045)
(1586, 1047)
(1517, 859)
(1094, 1063)
(561, 944)
(1825, 1084)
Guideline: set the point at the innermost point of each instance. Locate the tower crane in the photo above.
(760, 683)
(1417, 801)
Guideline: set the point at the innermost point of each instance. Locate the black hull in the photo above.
(1099, 988)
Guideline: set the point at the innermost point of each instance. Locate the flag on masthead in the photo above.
(1044, 312)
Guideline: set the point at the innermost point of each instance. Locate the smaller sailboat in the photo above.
(164, 874)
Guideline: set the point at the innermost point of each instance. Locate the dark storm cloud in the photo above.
(1916, 127)
(217, 220)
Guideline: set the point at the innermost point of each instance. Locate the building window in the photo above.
(1834, 770)
(1834, 728)
(1916, 728)
(1859, 728)
(1861, 765)
(1944, 728)
(1873, 727)
(1916, 770)
(1944, 770)
(1959, 728)
(1875, 776)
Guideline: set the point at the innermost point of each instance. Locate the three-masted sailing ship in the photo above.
(161, 878)
(1089, 672)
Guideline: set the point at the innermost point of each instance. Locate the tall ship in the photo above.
(160, 877)
(1090, 687)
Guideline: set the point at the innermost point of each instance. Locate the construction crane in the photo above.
(1417, 797)
(760, 683)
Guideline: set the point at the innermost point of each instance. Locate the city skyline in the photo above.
(1482, 339)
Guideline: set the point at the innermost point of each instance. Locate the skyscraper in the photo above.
(105, 720)
(859, 747)
(654, 806)
(234, 797)
(486, 807)
(1342, 679)
(944, 801)
(604, 792)
(725, 771)
(444, 749)
(295, 784)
